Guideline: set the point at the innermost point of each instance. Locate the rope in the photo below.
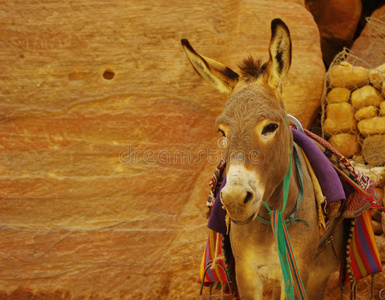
(372, 288)
(216, 257)
(361, 191)
(353, 288)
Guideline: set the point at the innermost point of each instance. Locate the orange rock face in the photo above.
(337, 21)
(107, 138)
(369, 46)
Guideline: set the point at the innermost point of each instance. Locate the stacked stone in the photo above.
(355, 112)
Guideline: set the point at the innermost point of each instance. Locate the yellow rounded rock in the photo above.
(366, 113)
(338, 95)
(347, 144)
(347, 76)
(373, 149)
(372, 126)
(339, 118)
(366, 96)
(377, 76)
(382, 108)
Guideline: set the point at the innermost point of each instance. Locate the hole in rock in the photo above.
(108, 74)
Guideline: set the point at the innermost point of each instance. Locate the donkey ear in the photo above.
(280, 54)
(218, 75)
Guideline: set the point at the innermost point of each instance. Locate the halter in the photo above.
(285, 251)
(291, 219)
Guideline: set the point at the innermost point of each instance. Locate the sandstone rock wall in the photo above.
(107, 138)
(370, 45)
(337, 22)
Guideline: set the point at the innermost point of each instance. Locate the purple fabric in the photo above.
(217, 218)
(328, 179)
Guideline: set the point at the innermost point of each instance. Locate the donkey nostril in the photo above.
(248, 198)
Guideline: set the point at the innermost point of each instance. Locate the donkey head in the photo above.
(253, 124)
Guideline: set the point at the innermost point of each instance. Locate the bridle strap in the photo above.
(286, 255)
(291, 219)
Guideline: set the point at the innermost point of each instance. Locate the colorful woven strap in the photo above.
(287, 259)
(286, 255)
(361, 190)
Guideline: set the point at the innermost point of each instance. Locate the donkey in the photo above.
(254, 119)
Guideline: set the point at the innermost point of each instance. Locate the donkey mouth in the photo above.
(247, 221)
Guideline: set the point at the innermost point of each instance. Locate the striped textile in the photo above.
(352, 179)
(215, 274)
(364, 258)
(215, 184)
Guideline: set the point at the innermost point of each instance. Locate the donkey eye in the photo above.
(269, 128)
(221, 131)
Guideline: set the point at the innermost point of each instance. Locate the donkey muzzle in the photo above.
(240, 202)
